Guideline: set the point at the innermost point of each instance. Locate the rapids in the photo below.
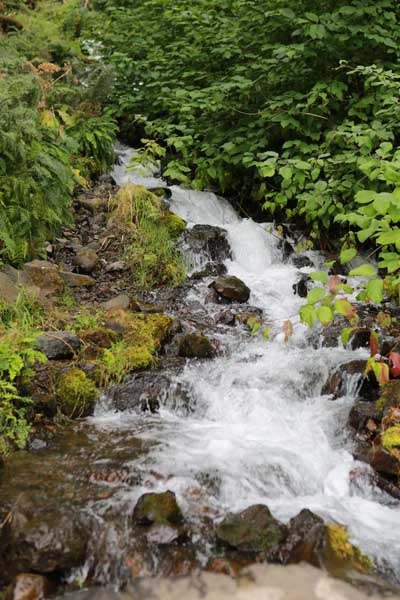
(258, 429)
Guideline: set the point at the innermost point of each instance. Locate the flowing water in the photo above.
(258, 429)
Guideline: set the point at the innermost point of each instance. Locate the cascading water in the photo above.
(258, 428)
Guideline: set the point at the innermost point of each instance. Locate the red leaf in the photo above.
(374, 343)
(381, 371)
(333, 283)
(394, 359)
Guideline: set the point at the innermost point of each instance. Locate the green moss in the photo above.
(143, 336)
(175, 224)
(391, 439)
(75, 393)
(340, 554)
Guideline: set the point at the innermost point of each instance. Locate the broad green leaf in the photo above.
(267, 332)
(347, 254)
(315, 295)
(389, 237)
(307, 314)
(321, 276)
(343, 307)
(365, 196)
(324, 314)
(363, 271)
(375, 290)
(345, 334)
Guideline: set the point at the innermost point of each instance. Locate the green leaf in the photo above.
(321, 276)
(315, 295)
(307, 314)
(390, 237)
(267, 332)
(363, 271)
(347, 254)
(375, 290)
(343, 307)
(345, 334)
(325, 314)
(365, 196)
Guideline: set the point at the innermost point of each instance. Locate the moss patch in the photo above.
(391, 440)
(76, 394)
(143, 336)
(339, 553)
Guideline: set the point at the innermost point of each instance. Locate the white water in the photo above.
(260, 430)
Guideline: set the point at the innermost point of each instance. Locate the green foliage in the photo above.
(17, 357)
(150, 247)
(48, 131)
(293, 104)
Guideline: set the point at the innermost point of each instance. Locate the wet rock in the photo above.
(195, 346)
(252, 530)
(28, 586)
(287, 249)
(43, 540)
(121, 301)
(162, 535)
(43, 274)
(86, 260)
(361, 477)
(8, 289)
(148, 390)
(231, 288)
(77, 280)
(302, 286)
(226, 317)
(161, 509)
(304, 542)
(210, 269)
(360, 414)
(302, 261)
(359, 338)
(348, 374)
(76, 394)
(58, 345)
(208, 240)
(383, 462)
(340, 555)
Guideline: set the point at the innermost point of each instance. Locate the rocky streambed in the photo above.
(230, 450)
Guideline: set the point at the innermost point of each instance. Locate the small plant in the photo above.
(150, 248)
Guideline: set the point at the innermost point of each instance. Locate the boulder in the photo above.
(8, 289)
(210, 269)
(231, 288)
(195, 345)
(160, 509)
(41, 539)
(116, 266)
(58, 345)
(147, 390)
(226, 317)
(252, 530)
(208, 240)
(76, 279)
(93, 205)
(305, 540)
(383, 462)
(86, 260)
(121, 301)
(43, 274)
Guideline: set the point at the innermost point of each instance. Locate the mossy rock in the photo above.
(143, 337)
(195, 346)
(160, 509)
(340, 556)
(390, 397)
(76, 394)
(101, 337)
(391, 440)
(252, 530)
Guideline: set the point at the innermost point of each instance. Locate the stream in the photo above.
(255, 429)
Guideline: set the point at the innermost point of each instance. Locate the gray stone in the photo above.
(120, 301)
(58, 345)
